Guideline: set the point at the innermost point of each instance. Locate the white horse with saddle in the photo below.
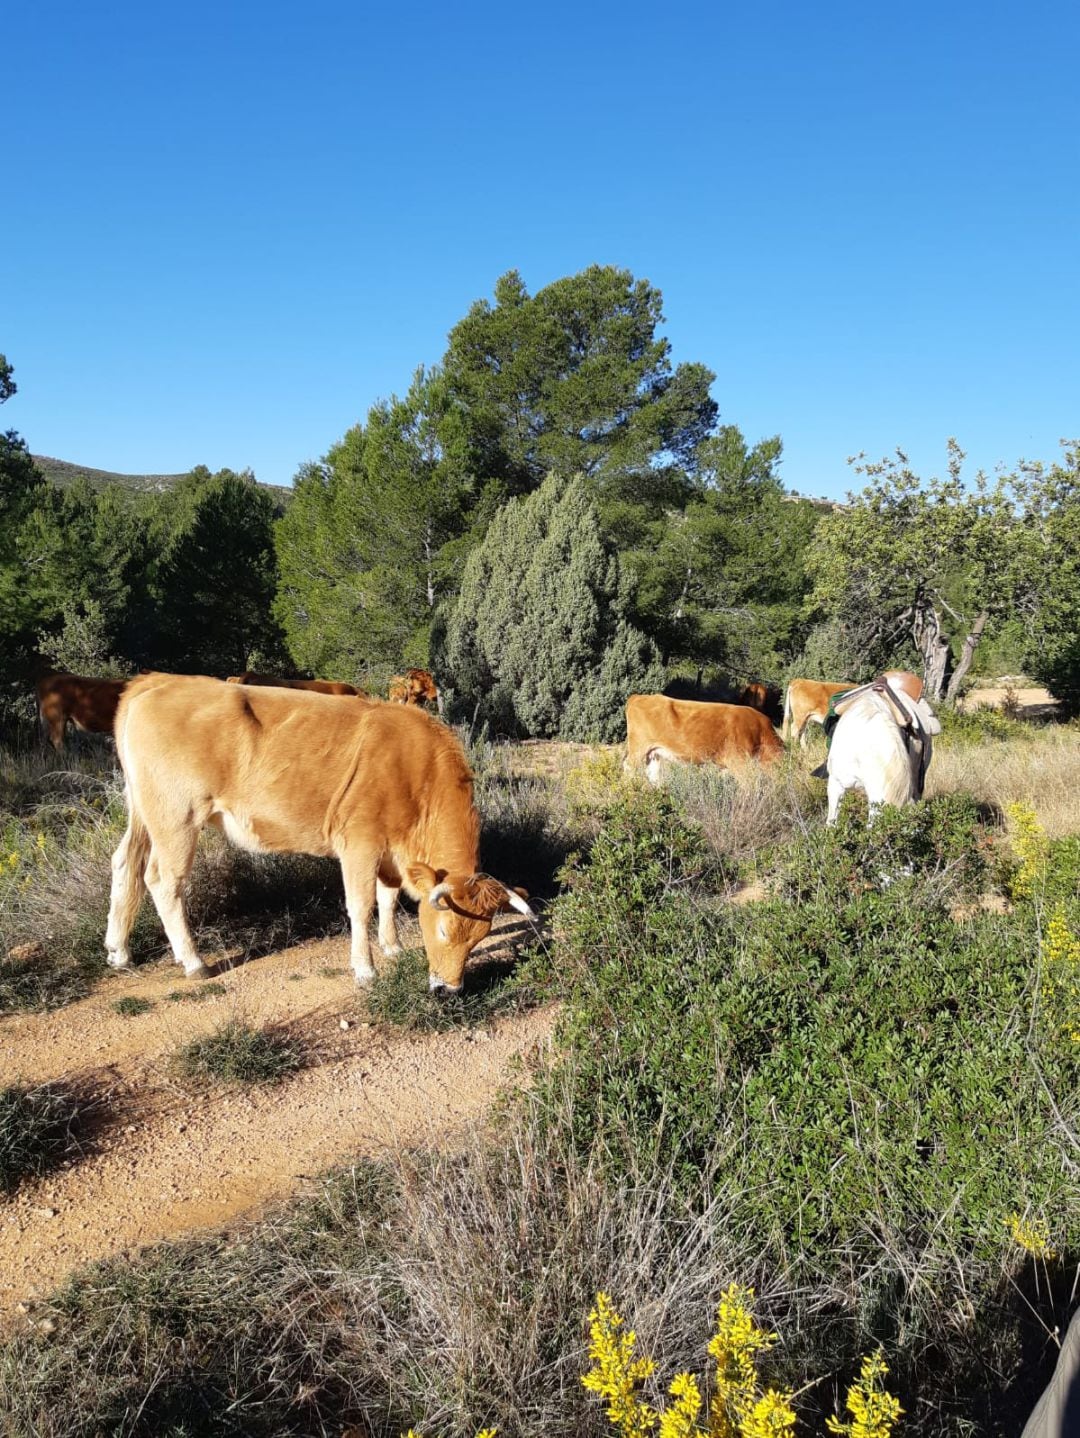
(881, 741)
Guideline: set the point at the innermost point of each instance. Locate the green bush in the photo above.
(860, 1066)
(981, 725)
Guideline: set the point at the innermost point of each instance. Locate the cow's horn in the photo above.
(517, 902)
(438, 896)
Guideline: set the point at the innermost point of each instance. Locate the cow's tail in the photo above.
(785, 729)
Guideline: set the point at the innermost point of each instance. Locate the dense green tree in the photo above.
(908, 560)
(574, 379)
(1046, 574)
(537, 642)
(80, 545)
(722, 580)
(372, 539)
(214, 575)
(22, 486)
(7, 379)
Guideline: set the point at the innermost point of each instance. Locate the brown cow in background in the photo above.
(317, 686)
(415, 686)
(89, 704)
(659, 729)
(766, 698)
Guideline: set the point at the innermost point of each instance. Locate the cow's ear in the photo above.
(422, 878)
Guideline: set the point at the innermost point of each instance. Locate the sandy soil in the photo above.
(165, 1160)
(1034, 702)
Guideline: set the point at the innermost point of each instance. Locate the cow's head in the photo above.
(456, 911)
(421, 686)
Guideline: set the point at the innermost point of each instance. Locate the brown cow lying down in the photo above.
(415, 686)
(318, 686)
(385, 790)
(659, 729)
(90, 704)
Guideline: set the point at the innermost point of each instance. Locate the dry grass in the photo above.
(1043, 770)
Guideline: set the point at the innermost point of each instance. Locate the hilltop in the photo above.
(62, 473)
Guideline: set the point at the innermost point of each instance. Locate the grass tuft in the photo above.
(399, 995)
(198, 993)
(236, 1053)
(36, 1131)
(130, 1006)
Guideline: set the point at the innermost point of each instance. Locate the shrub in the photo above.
(860, 1066)
(238, 1053)
(981, 725)
(538, 640)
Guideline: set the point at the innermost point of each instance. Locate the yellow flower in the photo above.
(1032, 1235)
(737, 1341)
(1061, 976)
(772, 1414)
(873, 1410)
(616, 1373)
(1031, 847)
(680, 1419)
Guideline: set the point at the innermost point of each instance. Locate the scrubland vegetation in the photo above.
(839, 1068)
(856, 1095)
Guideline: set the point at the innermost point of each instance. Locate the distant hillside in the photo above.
(62, 474)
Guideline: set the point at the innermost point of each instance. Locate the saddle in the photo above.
(914, 718)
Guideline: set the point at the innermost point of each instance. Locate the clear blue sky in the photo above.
(229, 227)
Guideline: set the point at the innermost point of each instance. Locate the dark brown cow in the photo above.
(415, 686)
(90, 704)
(659, 729)
(317, 686)
(765, 697)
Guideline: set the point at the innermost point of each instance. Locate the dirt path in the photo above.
(166, 1161)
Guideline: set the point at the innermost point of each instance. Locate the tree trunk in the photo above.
(967, 654)
(933, 645)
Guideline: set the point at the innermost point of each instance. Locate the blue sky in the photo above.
(230, 227)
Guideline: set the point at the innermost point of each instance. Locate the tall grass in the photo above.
(1042, 769)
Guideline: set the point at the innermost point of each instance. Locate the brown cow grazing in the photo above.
(659, 729)
(806, 703)
(767, 698)
(89, 704)
(384, 790)
(415, 686)
(317, 686)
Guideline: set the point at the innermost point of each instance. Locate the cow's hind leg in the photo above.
(358, 871)
(172, 854)
(128, 887)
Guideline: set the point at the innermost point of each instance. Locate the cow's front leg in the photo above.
(358, 872)
(387, 898)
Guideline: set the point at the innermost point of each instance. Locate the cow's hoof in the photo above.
(391, 950)
(117, 958)
(195, 971)
(364, 976)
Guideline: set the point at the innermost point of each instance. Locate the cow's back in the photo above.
(292, 769)
(688, 730)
